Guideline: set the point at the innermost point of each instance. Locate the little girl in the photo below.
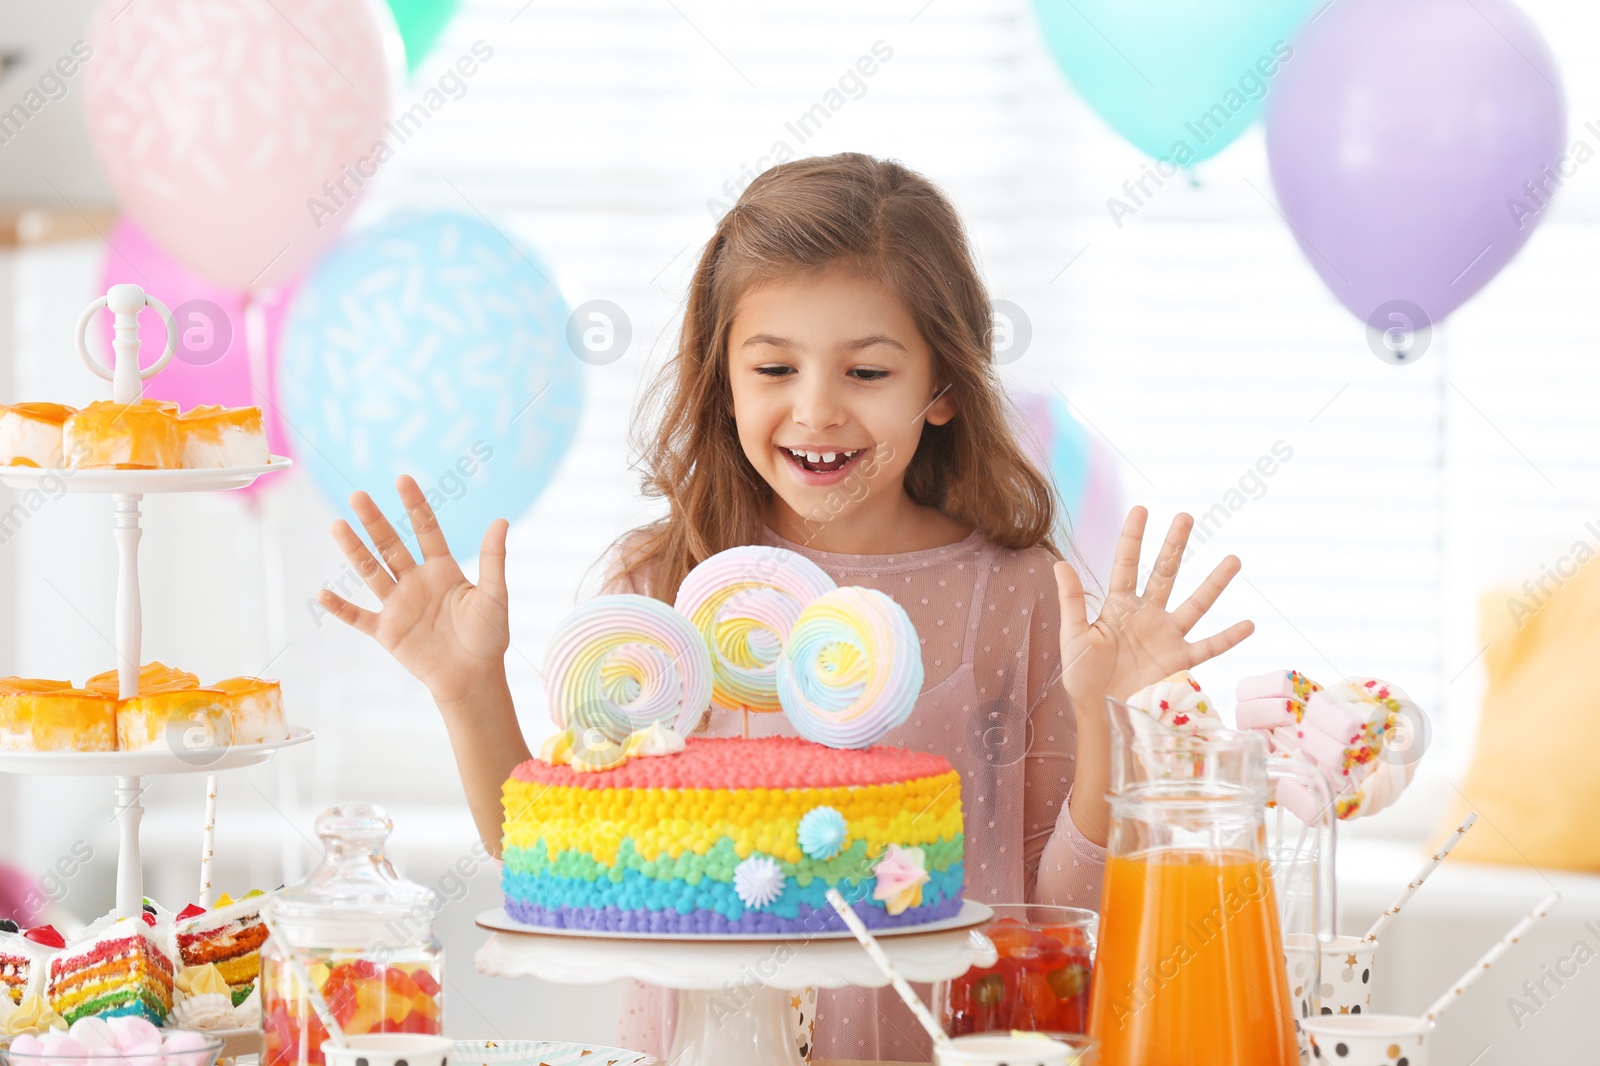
(834, 393)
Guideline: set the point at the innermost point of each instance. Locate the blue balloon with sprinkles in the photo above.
(432, 344)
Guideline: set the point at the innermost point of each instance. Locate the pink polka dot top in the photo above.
(992, 704)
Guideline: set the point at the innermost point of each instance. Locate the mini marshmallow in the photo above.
(94, 1034)
(187, 1048)
(1343, 716)
(1325, 751)
(58, 1044)
(1267, 712)
(1285, 684)
(1297, 799)
(27, 1044)
(134, 1034)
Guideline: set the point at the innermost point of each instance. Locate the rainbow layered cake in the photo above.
(24, 961)
(229, 936)
(117, 967)
(733, 836)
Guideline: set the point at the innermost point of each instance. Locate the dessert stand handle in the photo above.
(130, 873)
(125, 302)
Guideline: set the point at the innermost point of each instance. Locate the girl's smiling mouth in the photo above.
(821, 466)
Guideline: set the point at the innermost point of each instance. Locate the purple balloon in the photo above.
(1414, 146)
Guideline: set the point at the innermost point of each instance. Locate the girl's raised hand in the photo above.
(448, 633)
(1135, 641)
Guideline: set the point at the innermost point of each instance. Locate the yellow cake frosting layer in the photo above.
(672, 821)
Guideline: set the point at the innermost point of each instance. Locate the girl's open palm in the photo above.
(1135, 641)
(448, 633)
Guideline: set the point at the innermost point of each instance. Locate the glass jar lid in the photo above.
(354, 894)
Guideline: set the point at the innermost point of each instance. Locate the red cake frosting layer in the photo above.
(766, 762)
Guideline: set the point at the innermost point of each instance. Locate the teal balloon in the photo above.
(421, 24)
(1179, 79)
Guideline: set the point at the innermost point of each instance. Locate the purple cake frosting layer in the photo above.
(809, 920)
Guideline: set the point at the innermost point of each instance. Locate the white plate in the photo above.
(149, 762)
(543, 1053)
(137, 481)
(236, 1042)
(970, 916)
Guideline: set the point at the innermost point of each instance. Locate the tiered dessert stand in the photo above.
(200, 747)
(734, 991)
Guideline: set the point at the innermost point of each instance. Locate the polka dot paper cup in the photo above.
(1346, 975)
(1016, 1049)
(389, 1049)
(1369, 1040)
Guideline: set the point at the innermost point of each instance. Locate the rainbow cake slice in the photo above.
(229, 935)
(24, 961)
(735, 836)
(117, 967)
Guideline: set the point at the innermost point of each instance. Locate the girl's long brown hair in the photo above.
(884, 222)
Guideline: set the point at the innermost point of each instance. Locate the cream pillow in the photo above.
(1533, 777)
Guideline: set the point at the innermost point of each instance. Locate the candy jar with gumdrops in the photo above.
(362, 935)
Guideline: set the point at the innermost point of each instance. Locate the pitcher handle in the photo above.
(1326, 818)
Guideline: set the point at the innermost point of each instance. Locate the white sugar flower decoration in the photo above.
(758, 881)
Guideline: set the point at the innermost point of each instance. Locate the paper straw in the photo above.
(1491, 956)
(318, 1004)
(911, 998)
(1422, 875)
(208, 840)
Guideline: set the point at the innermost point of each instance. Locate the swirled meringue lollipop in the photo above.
(851, 669)
(744, 602)
(625, 662)
(1368, 735)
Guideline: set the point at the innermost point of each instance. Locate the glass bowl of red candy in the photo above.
(1040, 982)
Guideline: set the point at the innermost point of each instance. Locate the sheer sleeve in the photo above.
(1061, 865)
(615, 581)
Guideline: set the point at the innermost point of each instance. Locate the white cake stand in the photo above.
(200, 747)
(734, 995)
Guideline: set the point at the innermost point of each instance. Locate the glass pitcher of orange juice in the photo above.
(1190, 965)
